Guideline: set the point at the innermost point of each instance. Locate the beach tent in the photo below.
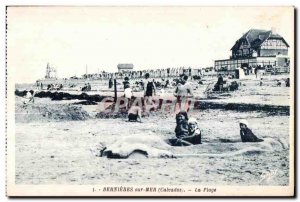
(241, 73)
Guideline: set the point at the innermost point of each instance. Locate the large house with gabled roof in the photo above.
(257, 49)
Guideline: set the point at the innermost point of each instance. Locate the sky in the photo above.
(71, 38)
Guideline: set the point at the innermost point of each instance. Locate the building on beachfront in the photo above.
(257, 50)
(122, 68)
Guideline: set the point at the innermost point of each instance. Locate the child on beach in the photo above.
(261, 82)
(187, 131)
(135, 113)
(246, 134)
(192, 137)
(194, 132)
(181, 129)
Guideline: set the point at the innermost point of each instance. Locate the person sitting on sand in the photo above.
(135, 113)
(181, 130)
(246, 134)
(194, 132)
(278, 83)
(192, 137)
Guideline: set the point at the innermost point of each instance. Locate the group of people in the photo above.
(187, 131)
(278, 82)
(40, 86)
(158, 84)
(54, 87)
(149, 92)
(86, 87)
(28, 97)
(157, 73)
(183, 92)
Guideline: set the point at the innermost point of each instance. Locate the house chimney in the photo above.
(273, 29)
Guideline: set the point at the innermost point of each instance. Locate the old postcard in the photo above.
(150, 101)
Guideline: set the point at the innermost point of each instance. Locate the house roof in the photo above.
(125, 66)
(255, 37)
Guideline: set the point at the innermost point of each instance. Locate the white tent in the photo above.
(241, 73)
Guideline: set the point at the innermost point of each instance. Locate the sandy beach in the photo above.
(223, 160)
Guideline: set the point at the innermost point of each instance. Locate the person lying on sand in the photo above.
(135, 113)
(246, 134)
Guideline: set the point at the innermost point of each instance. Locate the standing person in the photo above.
(182, 92)
(142, 85)
(287, 82)
(150, 90)
(126, 83)
(110, 83)
(167, 83)
(128, 95)
(255, 71)
(163, 83)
